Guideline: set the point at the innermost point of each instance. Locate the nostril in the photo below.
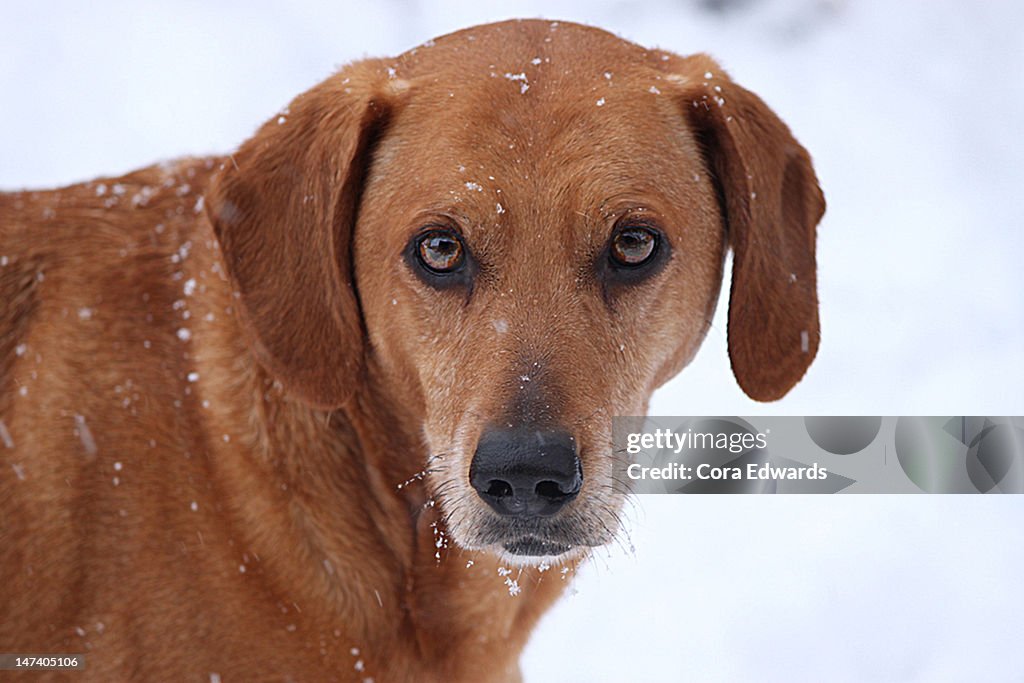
(498, 488)
(551, 490)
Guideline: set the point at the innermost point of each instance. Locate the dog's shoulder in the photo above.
(101, 284)
(83, 227)
(96, 249)
(95, 280)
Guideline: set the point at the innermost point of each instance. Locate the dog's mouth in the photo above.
(531, 546)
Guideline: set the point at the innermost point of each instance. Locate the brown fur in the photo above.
(215, 374)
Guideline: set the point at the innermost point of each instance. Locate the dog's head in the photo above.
(518, 230)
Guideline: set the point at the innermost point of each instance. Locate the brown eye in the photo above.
(440, 251)
(633, 246)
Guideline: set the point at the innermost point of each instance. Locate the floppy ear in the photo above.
(772, 205)
(283, 208)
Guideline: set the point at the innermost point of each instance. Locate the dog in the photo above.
(337, 406)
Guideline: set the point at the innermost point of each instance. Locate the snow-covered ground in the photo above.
(914, 113)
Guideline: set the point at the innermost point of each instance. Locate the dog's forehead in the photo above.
(522, 45)
(533, 113)
(530, 66)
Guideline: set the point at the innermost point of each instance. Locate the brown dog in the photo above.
(330, 407)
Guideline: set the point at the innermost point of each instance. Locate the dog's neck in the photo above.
(344, 529)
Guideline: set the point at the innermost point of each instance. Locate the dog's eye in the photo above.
(633, 245)
(440, 251)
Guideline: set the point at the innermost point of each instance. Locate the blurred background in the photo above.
(914, 114)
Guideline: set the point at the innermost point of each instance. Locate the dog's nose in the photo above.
(523, 472)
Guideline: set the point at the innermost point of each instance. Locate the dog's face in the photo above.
(535, 280)
(521, 228)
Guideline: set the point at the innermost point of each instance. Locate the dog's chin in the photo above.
(534, 541)
(532, 546)
(534, 551)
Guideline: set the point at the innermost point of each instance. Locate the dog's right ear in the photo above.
(283, 208)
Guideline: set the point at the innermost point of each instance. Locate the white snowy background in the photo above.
(913, 112)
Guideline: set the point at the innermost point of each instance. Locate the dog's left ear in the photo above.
(772, 204)
(283, 208)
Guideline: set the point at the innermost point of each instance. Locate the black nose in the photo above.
(524, 472)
